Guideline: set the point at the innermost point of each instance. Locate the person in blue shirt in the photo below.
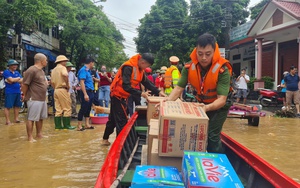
(87, 94)
(283, 90)
(12, 91)
(292, 90)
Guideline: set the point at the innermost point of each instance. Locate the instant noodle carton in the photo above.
(156, 160)
(152, 133)
(201, 169)
(183, 126)
(152, 112)
(156, 176)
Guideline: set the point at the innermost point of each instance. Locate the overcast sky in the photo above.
(126, 15)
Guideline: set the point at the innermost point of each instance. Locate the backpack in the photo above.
(168, 77)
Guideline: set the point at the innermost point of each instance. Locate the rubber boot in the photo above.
(66, 121)
(57, 122)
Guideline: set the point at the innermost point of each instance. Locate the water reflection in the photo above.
(275, 140)
(64, 159)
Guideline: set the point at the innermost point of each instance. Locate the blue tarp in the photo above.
(51, 56)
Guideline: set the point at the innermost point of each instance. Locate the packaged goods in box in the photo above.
(156, 160)
(183, 126)
(152, 112)
(156, 176)
(201, 169)
(152, 133)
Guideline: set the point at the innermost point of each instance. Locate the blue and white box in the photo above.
(156, 176)
(200, 169)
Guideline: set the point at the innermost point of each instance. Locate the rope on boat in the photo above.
(121, 175)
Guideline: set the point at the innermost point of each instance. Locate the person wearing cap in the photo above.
(292, 90)
(209, 74)
(34, 88)
(86, 81)
(155, 75)
(62, 99)
(73, 81)
(12, 79)
(172, 75)
(129, 75)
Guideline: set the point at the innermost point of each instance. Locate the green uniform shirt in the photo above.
(223, 84)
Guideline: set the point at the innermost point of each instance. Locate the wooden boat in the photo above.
(125, 153)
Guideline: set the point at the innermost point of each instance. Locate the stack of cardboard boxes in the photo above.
(176, 130)
(179, 126)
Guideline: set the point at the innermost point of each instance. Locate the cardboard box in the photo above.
(144, 156)
(152, 112)
(153, 131)
(156, 160)
(201, 169)
(183, 126)
(156, 176)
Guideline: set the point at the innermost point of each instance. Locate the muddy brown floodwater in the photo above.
(73, 158)
(63, 159)
(276, 140)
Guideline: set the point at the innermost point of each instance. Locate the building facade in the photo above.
(23, 47)
(269, 45)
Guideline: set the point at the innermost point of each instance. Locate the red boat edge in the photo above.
(109, 170)
(266, 170)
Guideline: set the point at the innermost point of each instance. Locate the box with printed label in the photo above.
(156, 160)
(152, 112)
(152, 133)
(156, 176)
(201, 169)
(183, 126)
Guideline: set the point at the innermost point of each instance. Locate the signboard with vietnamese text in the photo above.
(240, 32)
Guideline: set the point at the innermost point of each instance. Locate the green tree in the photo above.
(255, 10)
(161, 31)
(21, 16)
(208, 15)
(86, 31)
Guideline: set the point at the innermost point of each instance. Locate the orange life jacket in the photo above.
(206, 85)
(116, 88)
(169, 77)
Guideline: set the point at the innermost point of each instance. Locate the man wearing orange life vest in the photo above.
(209, 74)
(130, 74)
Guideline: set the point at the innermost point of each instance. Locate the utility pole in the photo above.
(227, 22)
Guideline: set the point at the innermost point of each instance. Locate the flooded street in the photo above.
(73, 158)
(64, 159)
(276, 140)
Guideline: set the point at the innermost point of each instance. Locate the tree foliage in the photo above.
(21, 16)
(84, 29)
(161, 31)
(255, 10)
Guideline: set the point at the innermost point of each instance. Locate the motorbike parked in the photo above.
(270, 97)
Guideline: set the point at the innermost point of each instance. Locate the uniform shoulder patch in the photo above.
(222, 69)
(187, 65)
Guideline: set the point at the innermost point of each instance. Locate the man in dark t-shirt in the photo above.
(291, 82)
